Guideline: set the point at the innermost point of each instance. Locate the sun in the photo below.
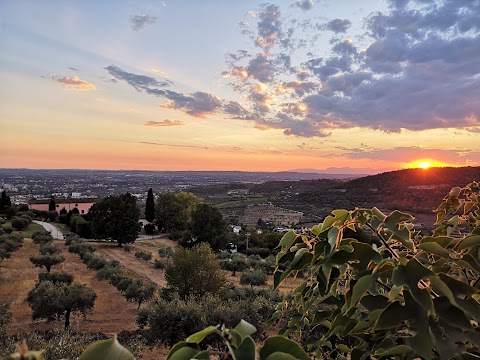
(424, 165)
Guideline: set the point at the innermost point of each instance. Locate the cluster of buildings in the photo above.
(269, 213)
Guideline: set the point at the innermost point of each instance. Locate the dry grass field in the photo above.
(112, 313)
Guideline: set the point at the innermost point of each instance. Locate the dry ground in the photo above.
(112, 313)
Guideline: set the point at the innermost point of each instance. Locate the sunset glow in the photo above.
(245, 85)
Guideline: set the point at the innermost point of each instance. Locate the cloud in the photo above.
(165, 122)
(75, 83)
(140, 21)
(305, 4)
(197, 104)
(72, 68)
(338, 25)
(139, 82)
(416, 66)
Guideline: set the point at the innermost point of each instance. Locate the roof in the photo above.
(64, 201)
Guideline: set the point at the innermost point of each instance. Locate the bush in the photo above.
(143, 255)
(149, 228)
(94, 261)
(108, 272)
(49, 249)
(56, 277)
(262, 252)
(80, 226)
(70, 237)
(127, 248)
(80, 247)
(171, 321)
(253, 278)
(159, 264)
(165, 251)
(19, 223)
(42, 237)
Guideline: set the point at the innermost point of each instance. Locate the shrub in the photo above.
(127, 248)
(19, 223)
(165, 251)
(80, 226)
(49, 249)
(70, 237)
(143, 255)
(94, 261)
(41, 237)
(253, 278)
(108, 272)
(159, 264)
(262, 252)
(56, 277)
(80, 247)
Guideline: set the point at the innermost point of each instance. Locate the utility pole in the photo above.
(246, 249)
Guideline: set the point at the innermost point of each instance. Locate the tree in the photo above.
(19, 223)
(150, 207)
(166, 212)
(138, 291)
(47, 260)
(237, 263)
(207, 225)
(42, 237)
(52, 206)
(4, 201)
(195, 271)
(115, 217)
(253, 278)
(50, 300)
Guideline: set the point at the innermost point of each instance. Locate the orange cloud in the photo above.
(76, 83)
(165, 122)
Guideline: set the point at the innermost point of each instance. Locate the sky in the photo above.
(239, 85)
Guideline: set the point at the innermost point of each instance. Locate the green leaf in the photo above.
(203, 355)
(287, 240)
(396, 350)
(302, 257)
(316, 230)
(281, 356)
(246, 350)
(360, 289)
(106, 350)
(339, 217)
(393, 315)
(245, 328)
(333, 237)
(284, 345)
(443, 241)
(184, 353)
(469, 241)
(435, 249)
(199, 336)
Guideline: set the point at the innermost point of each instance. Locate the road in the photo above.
(56, 233)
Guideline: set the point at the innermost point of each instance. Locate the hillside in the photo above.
(411, 190)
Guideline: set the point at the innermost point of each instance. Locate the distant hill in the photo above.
(341, 171)
(410, 190)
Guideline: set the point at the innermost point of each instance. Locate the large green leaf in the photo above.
(284, 345)
(339, 217)
(246, 350)
(469, 241)
(287, 240)
(106, 350)
(435, 249)
(202, 334)
(184, 353)
(245, 328)
(359, 289)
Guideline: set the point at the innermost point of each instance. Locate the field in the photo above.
(112, 313)
(25, 233)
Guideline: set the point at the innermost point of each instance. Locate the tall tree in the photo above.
(207, 225)
(50, 300)
(115, 217)
(150, 206)
(52, 206)
(4, 201)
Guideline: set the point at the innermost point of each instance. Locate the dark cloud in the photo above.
(139, 82)
(165, 122)
(416, 67)
(140, 21)
(197, 104)
(305, 4)
(72, 68)
(338, 25)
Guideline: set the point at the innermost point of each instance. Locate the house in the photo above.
(83, 204)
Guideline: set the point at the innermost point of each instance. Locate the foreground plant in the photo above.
(240, 345)
(413, 296)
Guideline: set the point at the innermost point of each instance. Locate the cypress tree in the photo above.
(150, 207)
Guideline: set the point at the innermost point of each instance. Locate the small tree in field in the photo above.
(52, 301)
(253, 278)
(138, 291)
(47, 260)
(195, 271)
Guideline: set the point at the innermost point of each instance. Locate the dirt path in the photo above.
(128, 260)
